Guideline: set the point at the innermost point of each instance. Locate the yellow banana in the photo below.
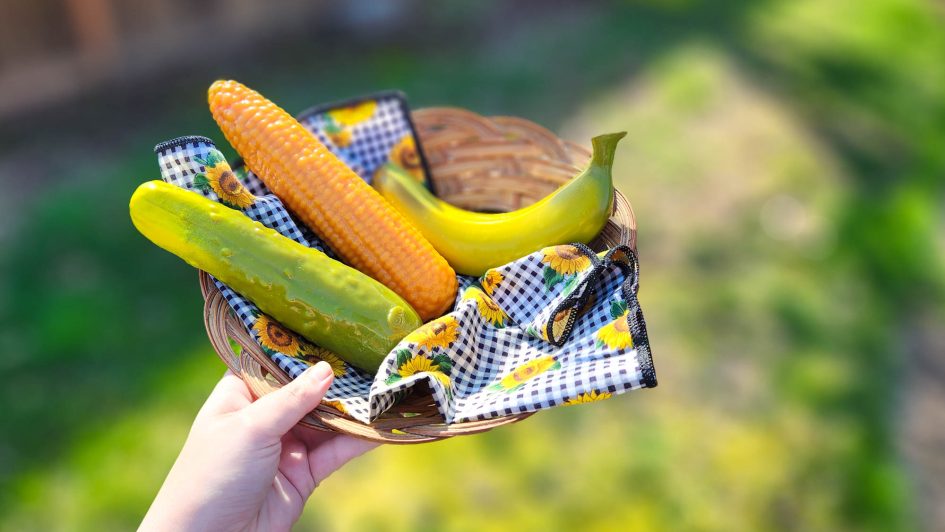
(473, 242)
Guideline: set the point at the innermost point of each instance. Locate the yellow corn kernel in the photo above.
(365, 231)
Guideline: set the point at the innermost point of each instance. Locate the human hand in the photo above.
(246, 465)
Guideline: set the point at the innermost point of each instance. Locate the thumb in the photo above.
(276, 413)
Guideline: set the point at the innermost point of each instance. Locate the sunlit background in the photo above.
(785, 160)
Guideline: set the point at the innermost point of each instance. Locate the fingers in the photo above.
(276, 413)
(229, 395)
(294, 465)
(336, 452)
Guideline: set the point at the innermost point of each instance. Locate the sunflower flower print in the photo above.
(527, 371)
(338, 122)
(438, 366)
(338, 135)
(273, 337)
(557, 325)
(490, 281)
(588, 397)
(313, 354)
(565, 259)
(220, 178)
(487, 308)
(353, 114)
(405, 155)
(616, 334)
(563, 263)
(437, 334)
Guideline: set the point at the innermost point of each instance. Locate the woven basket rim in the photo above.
(424, 422)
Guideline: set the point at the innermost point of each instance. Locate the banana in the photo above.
(473, 242)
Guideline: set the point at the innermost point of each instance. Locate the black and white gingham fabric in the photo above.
(178, 160)
(371, 139)
(522, 338)
(513, 369)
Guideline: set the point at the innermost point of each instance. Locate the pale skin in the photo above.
(246, 465)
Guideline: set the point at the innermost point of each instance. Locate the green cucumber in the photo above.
(325, 301)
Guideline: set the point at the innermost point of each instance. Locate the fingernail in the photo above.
(320, 372)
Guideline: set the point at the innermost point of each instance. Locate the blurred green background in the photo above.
(785, 161)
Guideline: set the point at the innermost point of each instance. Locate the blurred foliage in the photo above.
(785, 165)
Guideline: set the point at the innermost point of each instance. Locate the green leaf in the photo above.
(200, 160)
(617, 308)
(570, 285)
(552, 278)
(214, 157)
(444, 363)
(403, 356)
(392, 378)
(201, 182)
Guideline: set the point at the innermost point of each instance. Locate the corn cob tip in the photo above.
(220, 88)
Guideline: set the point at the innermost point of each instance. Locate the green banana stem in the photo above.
(605, 146)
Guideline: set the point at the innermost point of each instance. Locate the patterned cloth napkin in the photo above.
(559, 326)
(367, 132)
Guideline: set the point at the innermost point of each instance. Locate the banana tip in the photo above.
(604, 148)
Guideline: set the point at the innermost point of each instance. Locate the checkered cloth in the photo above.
(559, 326)
(179, 160)
(371, 137)
(363, 142)
(510, 365)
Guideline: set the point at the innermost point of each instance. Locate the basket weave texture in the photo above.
(480, 163)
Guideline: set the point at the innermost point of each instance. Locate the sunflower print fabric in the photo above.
(340, 121)
(522, 374)
(560, 326)
(487, 308)
(191, 163)
(409, 364)
(513, 344)
(589, 397)
(563, 264)
(272, 336)
(490, 280)
(436, 334)
(312, 354)
(368, 132)
(405, 155)
(616, 334)
(219, 178)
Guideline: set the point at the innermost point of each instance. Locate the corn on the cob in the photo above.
(365, 231)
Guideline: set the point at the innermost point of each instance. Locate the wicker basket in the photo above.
(487, 164)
